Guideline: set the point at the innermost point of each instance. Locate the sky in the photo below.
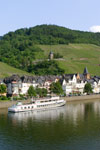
(81, 15)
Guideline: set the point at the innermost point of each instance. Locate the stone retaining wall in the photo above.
(7, 104)
(82, 98)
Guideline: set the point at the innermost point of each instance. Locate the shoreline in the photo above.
(6, 104)
(82, 98)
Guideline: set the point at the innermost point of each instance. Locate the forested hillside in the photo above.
(51, 34)
(21, 48)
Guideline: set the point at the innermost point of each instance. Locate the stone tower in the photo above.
(51, 55)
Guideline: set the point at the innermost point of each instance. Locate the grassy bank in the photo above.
(6, 70)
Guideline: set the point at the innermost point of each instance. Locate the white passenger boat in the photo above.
(38, 104)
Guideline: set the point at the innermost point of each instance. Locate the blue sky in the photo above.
(73, 14)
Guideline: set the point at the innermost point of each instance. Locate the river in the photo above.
(76, 126)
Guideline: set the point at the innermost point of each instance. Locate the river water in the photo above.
(75, 126)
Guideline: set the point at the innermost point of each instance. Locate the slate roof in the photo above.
(50, 78)
(12, 78)
(85, 71)
(68, 76)
(30, 79)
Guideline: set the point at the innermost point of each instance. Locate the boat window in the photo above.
(32, 107)
(28, 106)
(24, 107)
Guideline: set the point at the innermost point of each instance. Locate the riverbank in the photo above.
(82, 98)
(6, 104)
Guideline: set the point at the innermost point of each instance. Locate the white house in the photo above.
(71, 84)
(96, 85)
(19, 85)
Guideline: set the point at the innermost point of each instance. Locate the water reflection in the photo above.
(96, 106)
(71, 127)
(40, 115)
(70, 112)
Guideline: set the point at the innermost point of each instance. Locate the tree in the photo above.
(88, 88)
(44, 92)
(56, 88)
(47, 68)
(41, 92)
(31, 91)
(3, 88)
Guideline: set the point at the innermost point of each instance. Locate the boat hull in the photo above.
(32, 107)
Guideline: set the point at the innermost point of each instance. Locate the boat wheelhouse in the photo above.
(38, 104)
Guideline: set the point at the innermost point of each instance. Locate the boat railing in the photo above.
(45, 99)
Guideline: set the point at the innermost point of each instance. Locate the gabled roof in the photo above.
(14, 77)
(68, 76)
(30, 79)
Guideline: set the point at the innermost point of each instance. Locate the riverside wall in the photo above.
(6, 104)
(82, 98)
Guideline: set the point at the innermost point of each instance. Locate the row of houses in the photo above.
(71, 83)
(19, 85)
(75, 83)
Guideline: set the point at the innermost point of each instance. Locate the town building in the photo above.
(17, 85)
(71, 83)
(75, 83)
(86, 73)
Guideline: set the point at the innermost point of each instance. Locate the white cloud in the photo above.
(95, 29)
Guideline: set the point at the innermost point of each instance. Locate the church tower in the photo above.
(86, 73)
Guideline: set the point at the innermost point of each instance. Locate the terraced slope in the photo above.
(76, 57)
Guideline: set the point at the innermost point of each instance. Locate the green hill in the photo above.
(23, 47)
(49, 34)
(6, 70)
(76, 57)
